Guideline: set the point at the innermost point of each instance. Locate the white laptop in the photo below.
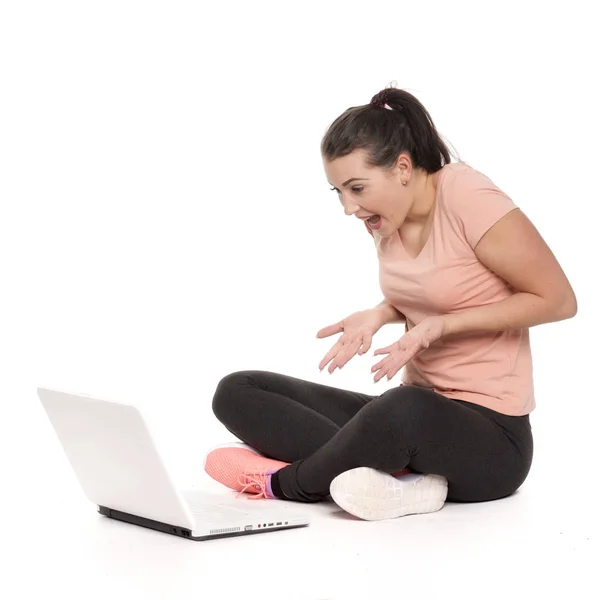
(119, 468)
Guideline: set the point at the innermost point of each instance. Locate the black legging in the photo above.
(324, 431)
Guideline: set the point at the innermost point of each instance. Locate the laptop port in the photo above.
(279, 523)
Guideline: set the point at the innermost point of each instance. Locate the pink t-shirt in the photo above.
(490, 369)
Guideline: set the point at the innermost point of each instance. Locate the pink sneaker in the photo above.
(243, 469)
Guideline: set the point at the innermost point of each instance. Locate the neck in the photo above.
(425, 187)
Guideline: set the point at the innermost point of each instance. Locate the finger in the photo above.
(381, 364)
(337, 361)
(385, 350)
(332, 353)
(346, 354)
(331, 330)
(379, 375)
(394, 371)
(400, 360)
(366, 344)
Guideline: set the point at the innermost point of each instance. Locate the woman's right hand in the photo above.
(358, 330)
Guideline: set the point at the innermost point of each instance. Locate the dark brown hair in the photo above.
(385, 133)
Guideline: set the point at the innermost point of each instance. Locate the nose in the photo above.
(350, 208)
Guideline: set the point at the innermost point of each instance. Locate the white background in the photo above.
(165, 220)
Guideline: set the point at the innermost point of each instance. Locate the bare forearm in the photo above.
(390, 314)
(519, 311)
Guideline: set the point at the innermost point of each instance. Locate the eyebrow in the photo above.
(350, 181)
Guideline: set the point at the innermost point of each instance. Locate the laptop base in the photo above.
(181, 531)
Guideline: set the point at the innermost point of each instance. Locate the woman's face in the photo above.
(368, 191)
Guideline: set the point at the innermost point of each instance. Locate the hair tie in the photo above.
(382, 101)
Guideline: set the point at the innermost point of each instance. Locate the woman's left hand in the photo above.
(408, 346)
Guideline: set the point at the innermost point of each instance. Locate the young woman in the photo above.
(469, 274)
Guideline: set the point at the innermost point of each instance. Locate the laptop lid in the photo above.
(114, 457)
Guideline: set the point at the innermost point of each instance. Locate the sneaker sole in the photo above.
(374, 496)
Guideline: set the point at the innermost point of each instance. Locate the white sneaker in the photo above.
(373, 495)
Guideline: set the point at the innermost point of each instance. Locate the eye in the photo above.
(356, 189)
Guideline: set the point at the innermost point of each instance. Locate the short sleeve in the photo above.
(475, 203)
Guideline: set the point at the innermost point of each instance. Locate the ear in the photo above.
(403, 169)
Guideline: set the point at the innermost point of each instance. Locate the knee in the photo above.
(386, 431)
(228, 394)
(409, 400)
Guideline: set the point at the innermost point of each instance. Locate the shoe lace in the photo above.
(254, 484)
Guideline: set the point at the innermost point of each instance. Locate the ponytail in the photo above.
(393, 122)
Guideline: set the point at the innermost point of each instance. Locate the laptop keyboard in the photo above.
(202, 511)
(232, 513)
(203, 507)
